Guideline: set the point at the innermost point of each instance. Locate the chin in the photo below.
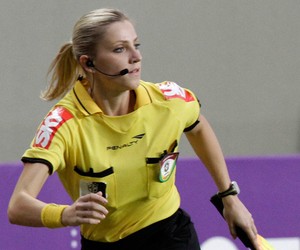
(134, 84)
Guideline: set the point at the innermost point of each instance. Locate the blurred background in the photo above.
(240, 57)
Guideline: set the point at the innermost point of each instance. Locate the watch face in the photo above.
(236, 187)
(232, 190)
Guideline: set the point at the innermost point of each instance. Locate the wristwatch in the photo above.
(232, 190)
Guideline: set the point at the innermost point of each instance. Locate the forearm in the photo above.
(25, 210)
(206, 146)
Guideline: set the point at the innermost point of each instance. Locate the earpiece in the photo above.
(90, 64)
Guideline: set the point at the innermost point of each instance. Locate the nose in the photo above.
(135, 56)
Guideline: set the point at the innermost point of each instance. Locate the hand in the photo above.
(237, 215)
(87, 209)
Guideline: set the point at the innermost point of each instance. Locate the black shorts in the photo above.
(174, 233)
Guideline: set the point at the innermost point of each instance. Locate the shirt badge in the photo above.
(172, 90)
(46, 132)
(167, 166)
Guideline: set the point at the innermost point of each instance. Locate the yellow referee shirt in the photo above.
(126, 157)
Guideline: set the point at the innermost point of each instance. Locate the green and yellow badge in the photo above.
(167, 166)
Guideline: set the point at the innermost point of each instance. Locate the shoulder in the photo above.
(52, 122)
(169, 90)
(57, 116)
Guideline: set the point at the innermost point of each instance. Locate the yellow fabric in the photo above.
(51, 215)
(85, 139)
(263, 243)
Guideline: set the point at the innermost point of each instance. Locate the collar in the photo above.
(87, 106)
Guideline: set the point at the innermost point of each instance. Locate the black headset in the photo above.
(90, 64)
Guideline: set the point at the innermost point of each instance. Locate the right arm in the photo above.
(25, 209)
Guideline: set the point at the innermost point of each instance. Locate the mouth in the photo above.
(134, 71)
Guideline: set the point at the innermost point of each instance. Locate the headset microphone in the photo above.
(90, 64)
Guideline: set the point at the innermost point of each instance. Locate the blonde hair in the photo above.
(87, 33)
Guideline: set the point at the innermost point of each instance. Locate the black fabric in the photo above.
(155, 160)
(38, 160)
(191, 127)
(174, 233)
(91, 172)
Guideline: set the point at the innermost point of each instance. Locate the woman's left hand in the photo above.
(236, 214)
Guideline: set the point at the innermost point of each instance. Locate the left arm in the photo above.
(206, 146)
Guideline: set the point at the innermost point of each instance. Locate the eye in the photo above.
(137, 46)
(119, 50)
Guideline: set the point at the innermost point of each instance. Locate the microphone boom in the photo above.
(121, 73)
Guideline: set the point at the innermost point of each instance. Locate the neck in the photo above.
(117, 105)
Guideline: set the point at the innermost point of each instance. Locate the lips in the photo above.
(134, 71)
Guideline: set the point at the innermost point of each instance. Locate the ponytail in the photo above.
(64, 71)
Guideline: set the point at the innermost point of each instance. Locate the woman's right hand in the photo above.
(87, 209)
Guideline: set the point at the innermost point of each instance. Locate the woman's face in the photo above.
(119, 50)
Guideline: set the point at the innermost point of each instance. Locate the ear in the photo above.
(83, 62)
